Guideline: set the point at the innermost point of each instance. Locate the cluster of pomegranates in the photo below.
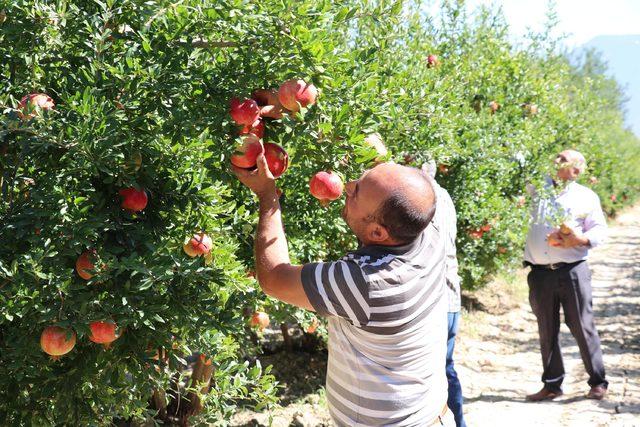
(57, 341)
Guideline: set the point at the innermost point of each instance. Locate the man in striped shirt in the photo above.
(386, 302)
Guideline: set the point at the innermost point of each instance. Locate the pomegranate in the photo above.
(613, 197)
(326, 186)
(245, 155)
(259, 319)
(103, 332)
(486, 228)
(443, 169)
(34, 102)
(84, 264)
(494, 106)
(476, 234)
(245, 112)
(199, 244)
(277, 158)
(257, 129)
(57, 341)
(593, 180)
(313, 326)
(294, 94)
(133, 200)
(432, 61)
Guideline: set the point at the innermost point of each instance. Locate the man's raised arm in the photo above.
(277, 276)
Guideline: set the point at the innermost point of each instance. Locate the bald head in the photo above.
(408, 200)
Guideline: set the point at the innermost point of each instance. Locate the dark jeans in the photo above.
(455, 390)
(569, 287)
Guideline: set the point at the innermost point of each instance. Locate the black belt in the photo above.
(555, 266)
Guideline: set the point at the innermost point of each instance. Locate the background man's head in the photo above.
(389, 205)
(570, 164)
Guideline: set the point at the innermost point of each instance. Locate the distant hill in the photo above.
(622, 53)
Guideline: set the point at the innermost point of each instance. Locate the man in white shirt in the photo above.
(567, 221)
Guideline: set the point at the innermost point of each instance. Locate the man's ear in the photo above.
(377, 233)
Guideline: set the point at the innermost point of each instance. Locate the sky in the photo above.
(581, 20)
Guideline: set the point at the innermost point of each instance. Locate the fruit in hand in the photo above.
(257, 129)
(244, 112)
(326, 186)
(246, 154)
(277, 158)
(57, 341)
(294, 94)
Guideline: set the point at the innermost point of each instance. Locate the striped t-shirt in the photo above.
(387, 312)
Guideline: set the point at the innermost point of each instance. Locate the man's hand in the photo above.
(260, 180)
(567, 238)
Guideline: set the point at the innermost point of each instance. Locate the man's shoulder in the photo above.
(585, 191)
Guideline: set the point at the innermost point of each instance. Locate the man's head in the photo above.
(570, 164)
(389, 205)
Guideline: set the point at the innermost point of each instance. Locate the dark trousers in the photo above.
(569, 287)
(454, 402)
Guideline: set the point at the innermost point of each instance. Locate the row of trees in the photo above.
(142, 92)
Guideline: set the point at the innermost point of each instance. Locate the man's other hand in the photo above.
(566, 240)
(259, 180)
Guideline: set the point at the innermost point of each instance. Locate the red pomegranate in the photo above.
(326, 186)
(34, 102)
(199, 244)
(313, 326)
(57, 341)
(133, 200)
(257, 129)
(245, 155)
(260, 319)
(277, 158)
(494, 106)
(486, 228)
(294, 94)
(432, 61)
(103, 332)
(245, 112)
(84, 264)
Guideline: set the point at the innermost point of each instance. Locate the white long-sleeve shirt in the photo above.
(582, 211)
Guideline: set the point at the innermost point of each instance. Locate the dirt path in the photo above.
(498, 357)
(499, 362)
